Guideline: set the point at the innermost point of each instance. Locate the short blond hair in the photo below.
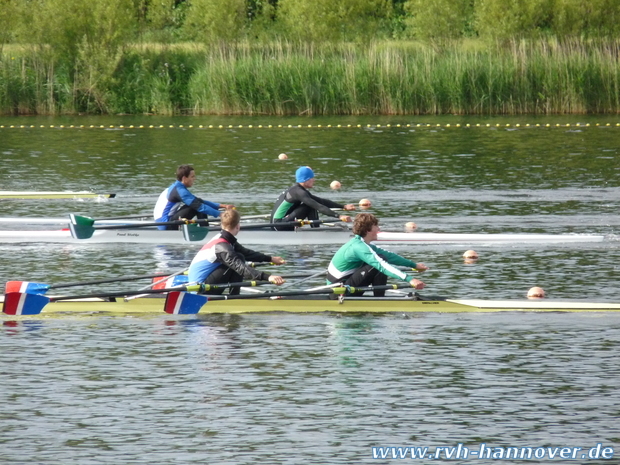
(230, 219)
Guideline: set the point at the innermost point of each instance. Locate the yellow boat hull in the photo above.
(151, 305)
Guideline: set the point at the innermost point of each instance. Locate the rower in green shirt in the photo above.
(358, 263)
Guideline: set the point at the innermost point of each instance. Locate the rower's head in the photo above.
(305, 176)
(366, 225)
(231, 221)
(186, 174)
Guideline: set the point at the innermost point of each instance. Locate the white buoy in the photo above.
(470, 254)
(410, 226)
(536, 293)
(365, 204)
(335, 185)
(283, 156)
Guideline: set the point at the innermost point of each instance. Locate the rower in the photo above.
(177, 201)
(296, 203)
(359, 263)
(223, 259)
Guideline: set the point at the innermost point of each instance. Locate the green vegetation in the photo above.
(319, 57)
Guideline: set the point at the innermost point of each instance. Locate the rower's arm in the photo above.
(322, 205)
(202, 206)
(252, 255)
(393, 258)
(213, 205)
(367, 254)
(228, 257)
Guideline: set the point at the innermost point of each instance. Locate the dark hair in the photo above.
(363, 223)
(184, 171)
(230, 219)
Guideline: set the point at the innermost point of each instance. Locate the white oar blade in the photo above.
(184, 303)
(25, 286)
(19, 303)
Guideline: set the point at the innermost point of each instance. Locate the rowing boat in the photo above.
(318, 304)
(301, 236)
(65, 221)
(47, 195)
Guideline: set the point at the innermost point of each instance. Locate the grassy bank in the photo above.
(541, 77)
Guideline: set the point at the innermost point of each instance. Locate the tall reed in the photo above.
(281, 78)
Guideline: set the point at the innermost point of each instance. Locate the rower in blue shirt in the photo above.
(178, 202)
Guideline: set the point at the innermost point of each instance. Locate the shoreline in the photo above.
(543, 77)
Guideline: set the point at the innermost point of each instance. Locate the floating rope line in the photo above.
(309, 126)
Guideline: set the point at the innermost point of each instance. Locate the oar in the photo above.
(254, 217)
(154, 284)
(127, 217)
(41, 288)
(21, 303)
(83, 227)
(184, 280)
(334, 290)
(183, 303)
(307, 278)
(250, 226)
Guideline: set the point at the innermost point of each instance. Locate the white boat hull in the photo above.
(302, 236)
(46, 195)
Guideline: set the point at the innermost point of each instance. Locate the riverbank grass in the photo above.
(399, 78)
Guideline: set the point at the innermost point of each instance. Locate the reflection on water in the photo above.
(290, 389)
(304, 388)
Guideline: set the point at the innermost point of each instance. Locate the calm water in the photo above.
(292, 389)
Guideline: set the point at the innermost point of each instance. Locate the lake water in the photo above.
(290, 389)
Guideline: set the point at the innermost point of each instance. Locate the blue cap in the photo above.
(303, 174)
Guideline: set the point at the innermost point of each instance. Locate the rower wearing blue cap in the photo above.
(296, 203)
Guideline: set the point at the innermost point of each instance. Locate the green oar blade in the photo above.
(194, 232)
(81, 226)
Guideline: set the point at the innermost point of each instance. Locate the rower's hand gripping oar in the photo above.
(82, 227)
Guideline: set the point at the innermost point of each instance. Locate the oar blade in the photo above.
(25, 286)
(81, 227)
(184, 303)
(20, 303)
(173, 281)
(194, 232)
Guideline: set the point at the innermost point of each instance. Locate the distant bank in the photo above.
(388, 78)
